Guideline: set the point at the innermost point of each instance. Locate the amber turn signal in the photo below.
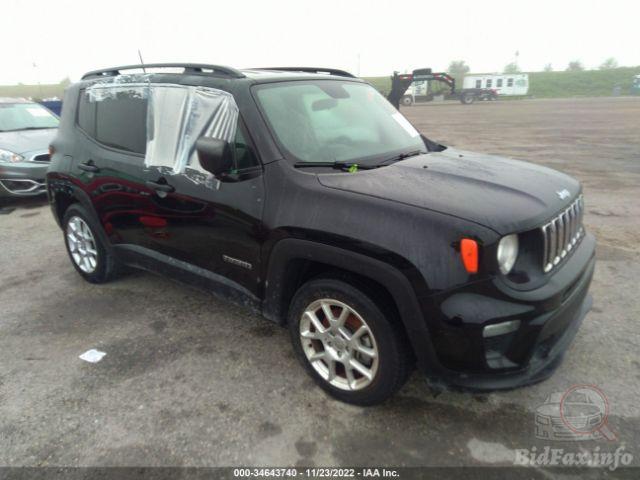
(469, 254)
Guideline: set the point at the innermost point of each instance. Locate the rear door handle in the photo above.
(88, 167)
(160, 187)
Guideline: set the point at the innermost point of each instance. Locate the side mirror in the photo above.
(215, 156)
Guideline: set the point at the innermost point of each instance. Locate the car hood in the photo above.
(25, 141)
(503, 194)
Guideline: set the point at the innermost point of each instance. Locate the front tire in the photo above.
(351, 349)
(86, 251)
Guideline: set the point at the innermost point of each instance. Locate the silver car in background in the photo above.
(26, 130)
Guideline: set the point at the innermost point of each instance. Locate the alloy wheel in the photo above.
(82, 244)
(339, 344)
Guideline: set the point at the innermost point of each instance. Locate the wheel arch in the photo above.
(293, 261)
(63, 195)
(60, 202)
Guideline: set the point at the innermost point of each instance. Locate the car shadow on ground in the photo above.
(10, 205)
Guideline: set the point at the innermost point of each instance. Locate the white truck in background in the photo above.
(424, 85)
(505, 84)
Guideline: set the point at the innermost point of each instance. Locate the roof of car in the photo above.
(267, 76)
(14, 100)
(280, 72)
(222, 72)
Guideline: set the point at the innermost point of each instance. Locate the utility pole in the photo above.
(35, 68)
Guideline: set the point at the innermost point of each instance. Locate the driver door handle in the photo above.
(88, 167)
(160, 187)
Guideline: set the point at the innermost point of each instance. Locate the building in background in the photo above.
(506, 84)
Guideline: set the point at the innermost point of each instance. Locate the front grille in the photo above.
(41, 157)
(561, 234)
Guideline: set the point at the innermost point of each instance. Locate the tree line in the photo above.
(459, 68)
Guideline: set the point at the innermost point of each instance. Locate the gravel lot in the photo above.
(190, 380)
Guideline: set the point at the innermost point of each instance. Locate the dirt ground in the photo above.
(190, 380)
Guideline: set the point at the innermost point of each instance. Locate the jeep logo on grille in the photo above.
(564, 193)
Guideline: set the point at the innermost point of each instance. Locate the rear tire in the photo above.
(407, 101)
(354, 351)
(467, 98)
(86, 250)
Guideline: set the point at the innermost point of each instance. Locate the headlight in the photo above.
(6, 156)
(507, 253)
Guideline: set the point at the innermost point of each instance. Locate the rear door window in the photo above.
(119, 121)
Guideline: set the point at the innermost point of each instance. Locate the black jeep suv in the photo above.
(303, 194)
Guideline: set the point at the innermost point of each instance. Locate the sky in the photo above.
(55, 39)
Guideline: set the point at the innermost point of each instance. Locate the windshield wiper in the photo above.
(400, 156)
(361, 166)
(336, 165)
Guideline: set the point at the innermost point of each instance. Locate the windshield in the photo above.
(334, 121)
(23, 116)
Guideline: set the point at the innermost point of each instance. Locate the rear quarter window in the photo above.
(118, 122)
(87, 114)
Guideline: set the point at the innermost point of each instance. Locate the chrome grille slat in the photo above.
(545, 246)
(573, 225)
(559, 240)
(567, 232)
(561, 234)
(553, 239)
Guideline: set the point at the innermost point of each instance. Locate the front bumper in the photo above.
(549, 317)
(24, 179)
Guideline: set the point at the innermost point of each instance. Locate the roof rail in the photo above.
(189, 69)
(330, 71)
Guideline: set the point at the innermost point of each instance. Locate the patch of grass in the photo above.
(382, 84)
(589, 83)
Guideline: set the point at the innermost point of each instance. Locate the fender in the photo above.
(389, 277)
